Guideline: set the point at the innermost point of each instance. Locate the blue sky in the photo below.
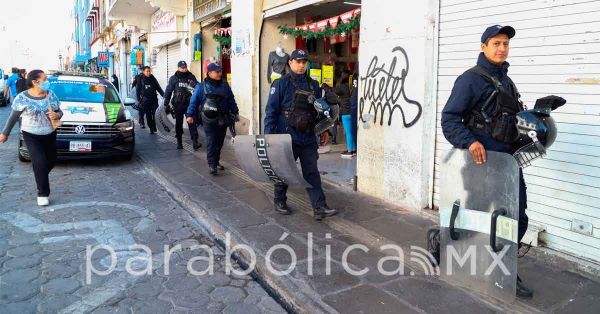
(33, 31)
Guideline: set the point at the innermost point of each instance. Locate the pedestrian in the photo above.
(342, 90)
(32, 108)
(181, 86)
(22, 81)
(290, 110)
(215, 102)
(115, 81)
(10, 87)
(147, 87)
(465, 127)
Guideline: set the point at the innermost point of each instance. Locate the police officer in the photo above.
(480, 116)
(147, 87)
(181, 85)
(215, 102)
(289, 108)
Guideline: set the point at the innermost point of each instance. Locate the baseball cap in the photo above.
(498, 29)
(181, 64)
(213, 67)
(299, 54)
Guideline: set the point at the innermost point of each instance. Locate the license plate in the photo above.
(80, 146)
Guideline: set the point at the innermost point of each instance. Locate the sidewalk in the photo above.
(231, 202)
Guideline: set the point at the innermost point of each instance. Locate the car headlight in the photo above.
(125, 126)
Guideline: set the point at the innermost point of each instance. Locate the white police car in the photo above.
(95, 123)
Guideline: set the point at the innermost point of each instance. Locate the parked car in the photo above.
(95, 123)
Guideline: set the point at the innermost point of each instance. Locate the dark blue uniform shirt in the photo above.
(281, 98)
(469, 90)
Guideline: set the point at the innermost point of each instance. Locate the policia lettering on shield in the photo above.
(290, 110)
(465, 123)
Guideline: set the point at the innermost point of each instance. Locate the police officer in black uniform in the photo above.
(480, 114)
(215, 103)
(181, 85)
(146, 90)
(290, 110)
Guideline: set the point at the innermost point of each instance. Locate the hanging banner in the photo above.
(346, 17)
(321, 25)
(334, 21)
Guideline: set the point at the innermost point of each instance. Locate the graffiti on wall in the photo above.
(383, 91)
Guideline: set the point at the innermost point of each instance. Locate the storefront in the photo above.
(211, 36)
(329, 32)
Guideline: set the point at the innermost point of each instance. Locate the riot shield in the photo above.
(163, 118)
(268, 158)
(479, 210)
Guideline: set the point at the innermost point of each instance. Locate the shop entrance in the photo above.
(329, 32)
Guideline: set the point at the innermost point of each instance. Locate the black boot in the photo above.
(329, 211)
(213, 170)
(196, 145)
(220, 167)
(319, 214)
(179, 144)
(282, 208)
(523, 291)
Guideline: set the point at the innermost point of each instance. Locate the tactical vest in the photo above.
(212, 112)
(301, 116)
(497, 115)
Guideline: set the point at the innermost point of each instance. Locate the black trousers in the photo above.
(215, 137)
(308, 155)
(149, 112)
(42, 151)
(179, 118)
(141, 116)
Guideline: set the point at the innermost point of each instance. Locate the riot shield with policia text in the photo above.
(479, 210)
(268, 158)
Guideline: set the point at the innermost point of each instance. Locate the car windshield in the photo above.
(82, 91)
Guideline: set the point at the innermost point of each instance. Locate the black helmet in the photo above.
(537, 132)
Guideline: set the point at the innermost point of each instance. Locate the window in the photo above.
(76, 91)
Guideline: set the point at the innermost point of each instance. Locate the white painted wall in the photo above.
(394, 148)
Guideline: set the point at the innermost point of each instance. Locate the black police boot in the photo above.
(220, 167)
(319, 214)
(213, 170)
(196, 145)
(329, 211)
(179, 144)
(523, 291)
(282, 208)
(142, 126)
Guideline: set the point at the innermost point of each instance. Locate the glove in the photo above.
(236, 117)
(167, 109)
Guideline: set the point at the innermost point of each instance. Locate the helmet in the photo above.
(537, 132)
(326, 115)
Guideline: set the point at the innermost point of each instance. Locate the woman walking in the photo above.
(33, 107)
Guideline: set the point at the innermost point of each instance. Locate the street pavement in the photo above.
(43, 251)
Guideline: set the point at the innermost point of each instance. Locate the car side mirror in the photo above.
(129, 101)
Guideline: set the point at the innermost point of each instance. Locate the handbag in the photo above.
(56, 123)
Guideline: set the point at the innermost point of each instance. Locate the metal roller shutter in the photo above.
(174, 56)
(556, 51)
(160, 68)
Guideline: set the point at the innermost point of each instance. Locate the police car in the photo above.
(95, 123)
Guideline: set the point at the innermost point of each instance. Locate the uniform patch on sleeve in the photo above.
(273, 90)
